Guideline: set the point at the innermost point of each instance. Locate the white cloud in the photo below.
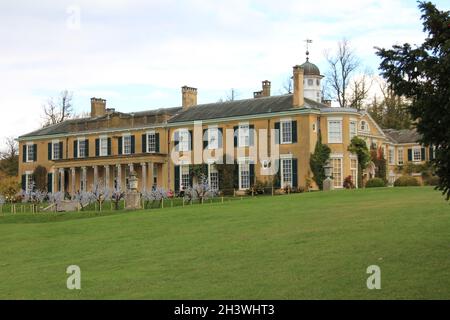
(162, 45)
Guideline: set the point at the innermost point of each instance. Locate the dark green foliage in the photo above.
(391, 112)
(375, 183)
(226, 178)
(359, 147)
(422, 74)
(377, 157)
(348, 183)
(317, 161)
(406, 181)
(40, 178)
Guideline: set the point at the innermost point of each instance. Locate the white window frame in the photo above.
(244, 164)
(213, 137)
(103, 146)
(126, 138)
(286, 182)
(334, 123)
(353, 128)
(286, 136)
(183, 143)
(419, 149)
(30, 146)
(56, 143)
(185, 178)
(244, 135)
(400, 156)
(28, 177)
(213, 177)
(391, 156)
(81, 140)
(151, 142)
(354, 169)
(338, 184)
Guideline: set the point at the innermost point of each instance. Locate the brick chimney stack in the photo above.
(298, 96)
(189, 96)
(98, 107)
(265, 92)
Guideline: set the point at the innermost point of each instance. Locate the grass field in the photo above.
(303, 246)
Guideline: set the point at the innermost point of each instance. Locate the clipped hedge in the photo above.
(375, 183)
(406, 181)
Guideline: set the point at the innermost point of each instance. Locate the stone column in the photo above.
(83, 178)
(72, 193)
(61, 176)
(131, 166)
(144, 176)
(150, 170)
(107, 177)
(95, 175)
(119, 177)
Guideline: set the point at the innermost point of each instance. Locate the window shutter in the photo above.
(75, 149)
(61, 153)
(431, 153)
(144, 143)
(277, 183)
(294, 131)
(177, 140)
(191, 135)
(294, 173)
(24, 153)
(251, 133)
(35, 152)
(87, 148)
(176, 178)
(157, 142)
(422, 154)
(50, 151)
(119, 145)
(409, 154)
(205, 138)
(236, 133)
(97, 147)
(49, 182)
(220, 144)
(277, 133)
(252, 174)
(133, 145)
(109, 146)
(236, 176)
(24, 181)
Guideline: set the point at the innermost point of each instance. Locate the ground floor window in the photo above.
(185, 177)
(244, 176)
(354, 170)
(213, 178)
(286, 173)
(417, 155)
(29, 182)
(336, 163)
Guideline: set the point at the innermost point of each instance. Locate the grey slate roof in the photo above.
(69, 125)
(239, 108)
(402, 136)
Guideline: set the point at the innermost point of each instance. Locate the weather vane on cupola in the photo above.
(308, 41)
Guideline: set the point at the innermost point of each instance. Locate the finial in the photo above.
(308, 41)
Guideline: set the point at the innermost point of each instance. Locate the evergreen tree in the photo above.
(359, 147)
(422, 74)
(317, 161)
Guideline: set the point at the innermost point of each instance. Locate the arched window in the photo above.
(364, 126)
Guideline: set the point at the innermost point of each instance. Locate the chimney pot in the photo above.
(189, 97)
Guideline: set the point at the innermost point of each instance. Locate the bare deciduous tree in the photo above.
(232, 95)
(358, 90)
(59, 110)
(287, 85)
(342, 66)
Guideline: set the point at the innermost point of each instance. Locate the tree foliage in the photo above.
(318, 160)
(40, 178)
(9, 157)
(359, 147)
(422, 74)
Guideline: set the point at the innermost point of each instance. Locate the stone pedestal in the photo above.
(328, 184)
(132, 200)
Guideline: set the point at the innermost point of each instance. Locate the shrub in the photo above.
(406, 181)
(375, 183)
(348, 183)
(431, 181)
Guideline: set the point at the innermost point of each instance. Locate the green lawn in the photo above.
(303, 246)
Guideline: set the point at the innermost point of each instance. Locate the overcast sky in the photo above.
(137, 54)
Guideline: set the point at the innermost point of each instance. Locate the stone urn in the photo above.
(133, 197)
